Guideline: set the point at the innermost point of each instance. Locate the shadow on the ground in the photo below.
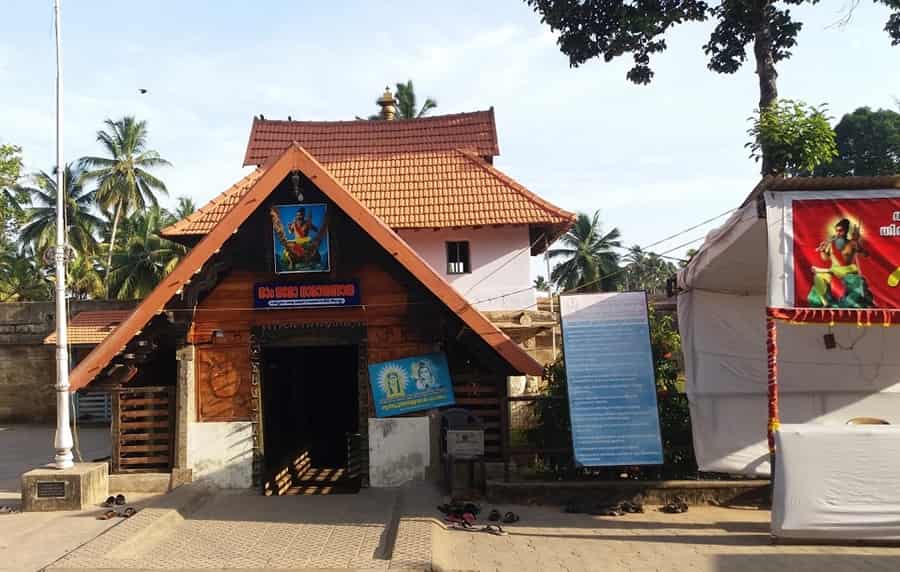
(732, 562)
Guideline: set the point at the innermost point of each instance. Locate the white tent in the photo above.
(725, 290)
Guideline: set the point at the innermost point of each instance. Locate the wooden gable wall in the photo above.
(399, 317)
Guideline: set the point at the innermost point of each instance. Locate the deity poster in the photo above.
(300, 235)
(846, 252)
(411, 384)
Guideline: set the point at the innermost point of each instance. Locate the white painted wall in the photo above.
(399, 450)
(500, 261)
(221, 453)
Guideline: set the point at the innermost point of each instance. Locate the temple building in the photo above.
(362, 277)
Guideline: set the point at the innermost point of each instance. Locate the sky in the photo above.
(654, 159)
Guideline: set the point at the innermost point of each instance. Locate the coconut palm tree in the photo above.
(146, 258)
(647, 271)
(124, 183)
(590, 261)
(407, 107)
(83, 277)
(186, 206)
(21, 278)
(39, 230)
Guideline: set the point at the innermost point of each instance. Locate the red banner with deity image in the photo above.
(846, 253)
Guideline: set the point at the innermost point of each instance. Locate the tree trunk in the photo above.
(765, 69)
(112, 243)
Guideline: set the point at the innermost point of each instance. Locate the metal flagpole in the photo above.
(62, 442)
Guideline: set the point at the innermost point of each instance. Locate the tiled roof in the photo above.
(423, 190)
(297, 159)
(329, 141)
(91, 328)
(420, 190)
(206, 217)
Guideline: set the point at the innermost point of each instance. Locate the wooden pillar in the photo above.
(116, 431)
(772, 387)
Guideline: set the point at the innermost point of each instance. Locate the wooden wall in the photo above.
(399, 318)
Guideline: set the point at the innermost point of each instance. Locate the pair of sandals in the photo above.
(127, 513)
(459, 508)
(620, 509)
(118, 500)
(675, 506)
(508, 518)
(458, 523)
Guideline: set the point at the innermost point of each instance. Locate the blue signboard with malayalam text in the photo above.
(411, 384)
(610, 377)
(271, 295)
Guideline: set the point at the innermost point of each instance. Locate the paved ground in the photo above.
(33, 540)
(244, 530)
(705, 539)
(24, 447)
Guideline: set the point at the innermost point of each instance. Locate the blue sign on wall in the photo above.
(611, 382)
(411, 384)
(270, 295)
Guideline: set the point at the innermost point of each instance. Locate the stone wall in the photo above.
(27, 366)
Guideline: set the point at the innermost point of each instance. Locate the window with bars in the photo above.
(458, 258)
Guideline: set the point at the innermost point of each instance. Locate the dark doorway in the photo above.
(310, 406)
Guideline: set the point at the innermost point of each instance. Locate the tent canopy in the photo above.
(722, 320)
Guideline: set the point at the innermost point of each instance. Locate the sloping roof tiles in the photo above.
(297, 159)
(92, 327)
(409, 191)
(329, 141)
(415, 174)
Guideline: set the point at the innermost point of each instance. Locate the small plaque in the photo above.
(465, 443)
(51, 489)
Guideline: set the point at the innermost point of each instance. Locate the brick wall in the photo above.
(27, 366)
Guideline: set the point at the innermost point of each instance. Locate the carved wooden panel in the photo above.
(223, 383)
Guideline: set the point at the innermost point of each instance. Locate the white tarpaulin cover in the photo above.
(721, 315)
(837, 482)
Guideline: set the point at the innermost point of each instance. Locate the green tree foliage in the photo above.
(124, 182)
(11, 198)
(10, 165)
(186, 206)
(868, 144)
(145, 258)
(84, 277)
(612, 28)
(797, 137)
(589, 259)
(407, 103)
(21, 277)
(541, 284)
(672, 402)
(39, 229)
(646, 271)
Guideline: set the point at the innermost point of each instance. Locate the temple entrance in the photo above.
(310, 415)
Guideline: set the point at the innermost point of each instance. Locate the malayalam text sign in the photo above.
(611, 382)
(306, 295)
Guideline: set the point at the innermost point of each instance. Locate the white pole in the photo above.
(62, 442)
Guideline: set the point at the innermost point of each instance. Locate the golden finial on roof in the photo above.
(388, 104)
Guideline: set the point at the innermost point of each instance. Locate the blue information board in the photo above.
(611, 382)
(411, 384)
